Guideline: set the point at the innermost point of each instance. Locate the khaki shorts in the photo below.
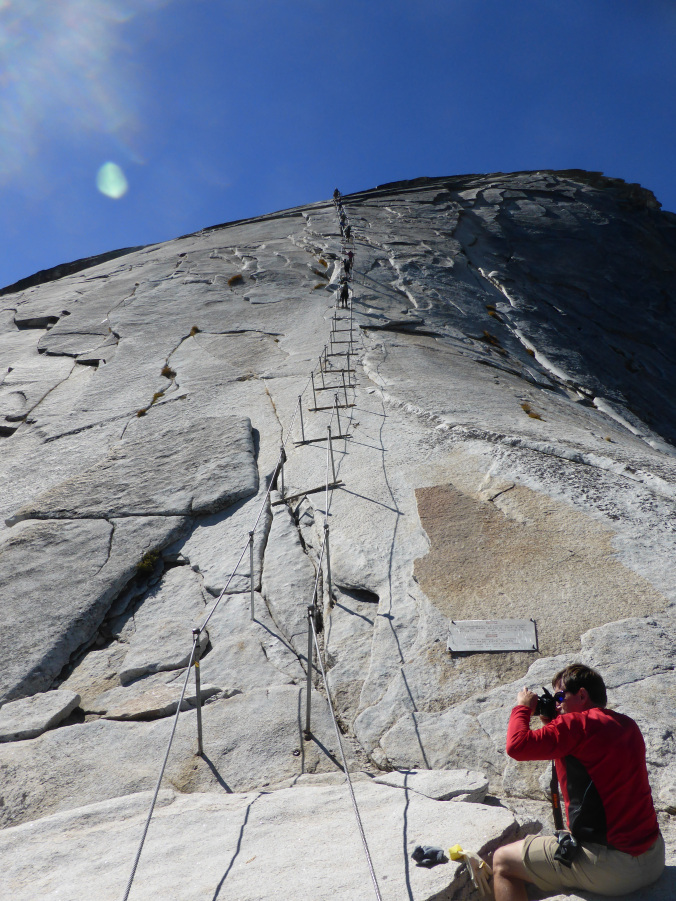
(595, 869)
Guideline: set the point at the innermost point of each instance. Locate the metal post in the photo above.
(314, 393)
(344, 388)
(333, 466)
(307, 734)
(321, 369)
(328, 558)
(349, 374)
(326, 358)
(251, 567)
(337, 414)
(198, 692)
(302, 427)
(282, 458)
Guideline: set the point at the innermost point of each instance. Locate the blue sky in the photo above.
(216, 110)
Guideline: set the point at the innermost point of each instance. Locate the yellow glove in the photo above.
(479, 870)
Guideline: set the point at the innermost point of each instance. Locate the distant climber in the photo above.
(344, 295)
(336, 195)
(347, 232)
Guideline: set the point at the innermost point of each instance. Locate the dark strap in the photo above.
(556, 799)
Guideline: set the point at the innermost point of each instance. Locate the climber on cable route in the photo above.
(613, 845)
(344, 295)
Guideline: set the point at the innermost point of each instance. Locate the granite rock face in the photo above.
(34, 715)
(253, 845)
(503, 442)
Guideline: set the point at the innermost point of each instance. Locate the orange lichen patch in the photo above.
(526, 407)
(490, 339)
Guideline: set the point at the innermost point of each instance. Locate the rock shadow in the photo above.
(237, 850)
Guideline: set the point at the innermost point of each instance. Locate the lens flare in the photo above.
(66, 69)
(111, 181)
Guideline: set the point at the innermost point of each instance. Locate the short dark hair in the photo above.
(577, 676)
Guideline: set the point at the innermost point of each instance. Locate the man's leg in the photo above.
(509, 874)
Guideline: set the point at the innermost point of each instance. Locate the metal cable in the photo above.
(192, 657)
(280, 462)
(159, 781)
(296, 413)
(262, 507)
(275, 471)
(319, 571)
(227, 584)
(328, 457)
(345, 769)
(328, 694)
(197, 633)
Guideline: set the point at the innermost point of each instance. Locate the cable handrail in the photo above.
(360, 825)
(194, 656)
(275, 472)
(328, 457)
(164, 765)
(311, 626)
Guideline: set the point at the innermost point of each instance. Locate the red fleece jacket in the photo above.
(606, 749)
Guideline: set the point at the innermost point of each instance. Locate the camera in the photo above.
(546, 705)
(568, 848)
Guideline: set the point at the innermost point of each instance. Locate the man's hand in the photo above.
(528, 699)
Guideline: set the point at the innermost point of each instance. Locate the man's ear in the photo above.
(583, 695)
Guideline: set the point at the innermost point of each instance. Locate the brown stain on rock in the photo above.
(515, 554)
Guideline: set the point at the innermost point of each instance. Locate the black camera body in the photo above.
(568, 848)
(546, 705)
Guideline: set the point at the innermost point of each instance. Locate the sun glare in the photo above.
(67, 74)
(111, 181)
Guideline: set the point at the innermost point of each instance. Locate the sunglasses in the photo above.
(560, 696)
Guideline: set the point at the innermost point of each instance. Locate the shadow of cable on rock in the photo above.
(389, 615)
(312, 737)
(237, 849)
(404, 836)
(221, 781)
(279, 636)
(415, 722)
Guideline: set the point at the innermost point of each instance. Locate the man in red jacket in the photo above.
(600, 764)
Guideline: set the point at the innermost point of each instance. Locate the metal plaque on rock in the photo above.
(492, 635)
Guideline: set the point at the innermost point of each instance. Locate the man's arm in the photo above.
(556, 739)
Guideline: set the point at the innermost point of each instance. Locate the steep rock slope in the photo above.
(504, 443)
